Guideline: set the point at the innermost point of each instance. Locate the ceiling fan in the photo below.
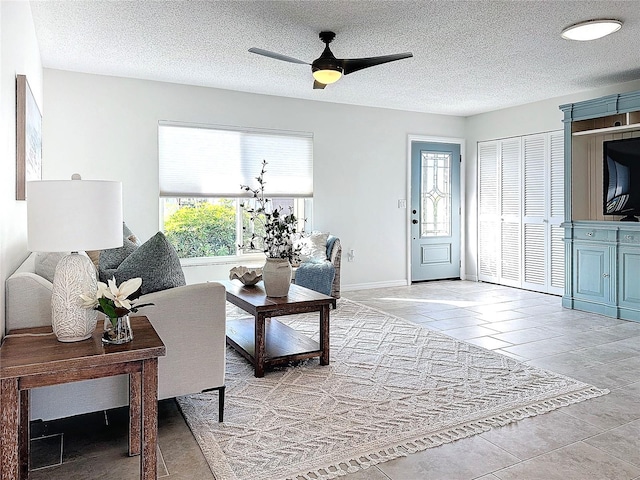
(327, 68)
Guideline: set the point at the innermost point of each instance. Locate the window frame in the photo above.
(303, 203)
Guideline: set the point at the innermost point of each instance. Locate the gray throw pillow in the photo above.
(156, 262)
(111, 258)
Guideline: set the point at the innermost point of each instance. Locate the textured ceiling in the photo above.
(469, 56)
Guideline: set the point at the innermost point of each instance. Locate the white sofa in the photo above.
(190, 320)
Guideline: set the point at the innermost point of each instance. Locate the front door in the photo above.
(435, 211)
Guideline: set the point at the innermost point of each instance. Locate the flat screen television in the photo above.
(621, 178)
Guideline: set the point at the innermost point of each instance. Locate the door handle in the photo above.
(414, 221)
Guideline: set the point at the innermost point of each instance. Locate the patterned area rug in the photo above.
(392, 388)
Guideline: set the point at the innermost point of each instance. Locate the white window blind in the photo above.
(202, 161)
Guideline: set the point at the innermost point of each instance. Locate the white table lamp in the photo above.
(73, 216)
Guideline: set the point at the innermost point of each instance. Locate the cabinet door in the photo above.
(591, 272)
(628, 271)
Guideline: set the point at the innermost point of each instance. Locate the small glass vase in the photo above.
(117, 330)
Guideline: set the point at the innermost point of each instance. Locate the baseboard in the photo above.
(392, 283)
(372, 285)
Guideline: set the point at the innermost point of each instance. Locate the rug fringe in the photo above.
(345, 467)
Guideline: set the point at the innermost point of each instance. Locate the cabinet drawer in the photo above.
(594, 234)
(629, 237)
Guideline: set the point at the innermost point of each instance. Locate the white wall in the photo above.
(527, 119)
(106, 128)
(19, 54)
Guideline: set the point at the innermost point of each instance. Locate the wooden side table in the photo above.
(30, 358)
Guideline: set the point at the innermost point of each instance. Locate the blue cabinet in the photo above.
(602, 255)
(604, 267)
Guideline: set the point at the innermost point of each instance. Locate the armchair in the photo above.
(322, 275)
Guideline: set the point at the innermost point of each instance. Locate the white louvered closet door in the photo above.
(521, 208)
(488, 212)
(510, 216)
(543, 212)
(556, 213)
(534, 219)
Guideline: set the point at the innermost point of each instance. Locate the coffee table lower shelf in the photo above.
(283, 344)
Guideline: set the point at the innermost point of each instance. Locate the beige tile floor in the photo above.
(598, 439)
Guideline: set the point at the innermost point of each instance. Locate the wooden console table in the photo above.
(265, 341)
(31, 358)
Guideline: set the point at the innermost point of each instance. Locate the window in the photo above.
(200, 172)
(435, 194)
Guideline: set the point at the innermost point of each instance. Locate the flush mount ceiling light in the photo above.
(591, 30)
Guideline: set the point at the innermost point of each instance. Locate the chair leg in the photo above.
(220, 400)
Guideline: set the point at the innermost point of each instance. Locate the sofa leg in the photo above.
(221, 404)
(220, 400)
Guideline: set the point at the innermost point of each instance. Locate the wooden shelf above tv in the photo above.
(618, 123)
(619, 129)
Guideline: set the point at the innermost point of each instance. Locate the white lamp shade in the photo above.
(73, 215)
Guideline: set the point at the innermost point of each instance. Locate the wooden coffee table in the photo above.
(265, 341)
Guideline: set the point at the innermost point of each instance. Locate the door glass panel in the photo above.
(435, 192)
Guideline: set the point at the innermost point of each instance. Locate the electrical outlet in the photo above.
(402, 203)
(351, 255)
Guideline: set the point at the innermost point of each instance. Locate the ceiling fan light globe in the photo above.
(327, 77)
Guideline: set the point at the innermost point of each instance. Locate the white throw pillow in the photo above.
(46, 262)
(313, 247)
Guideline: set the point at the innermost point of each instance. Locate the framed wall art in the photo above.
(28, 137)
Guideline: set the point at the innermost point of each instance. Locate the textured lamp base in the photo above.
(71, 322)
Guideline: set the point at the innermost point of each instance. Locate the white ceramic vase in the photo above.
(276, 276)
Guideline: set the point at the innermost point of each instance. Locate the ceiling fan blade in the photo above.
(277, 56)
(318, 85)
(350, 65)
